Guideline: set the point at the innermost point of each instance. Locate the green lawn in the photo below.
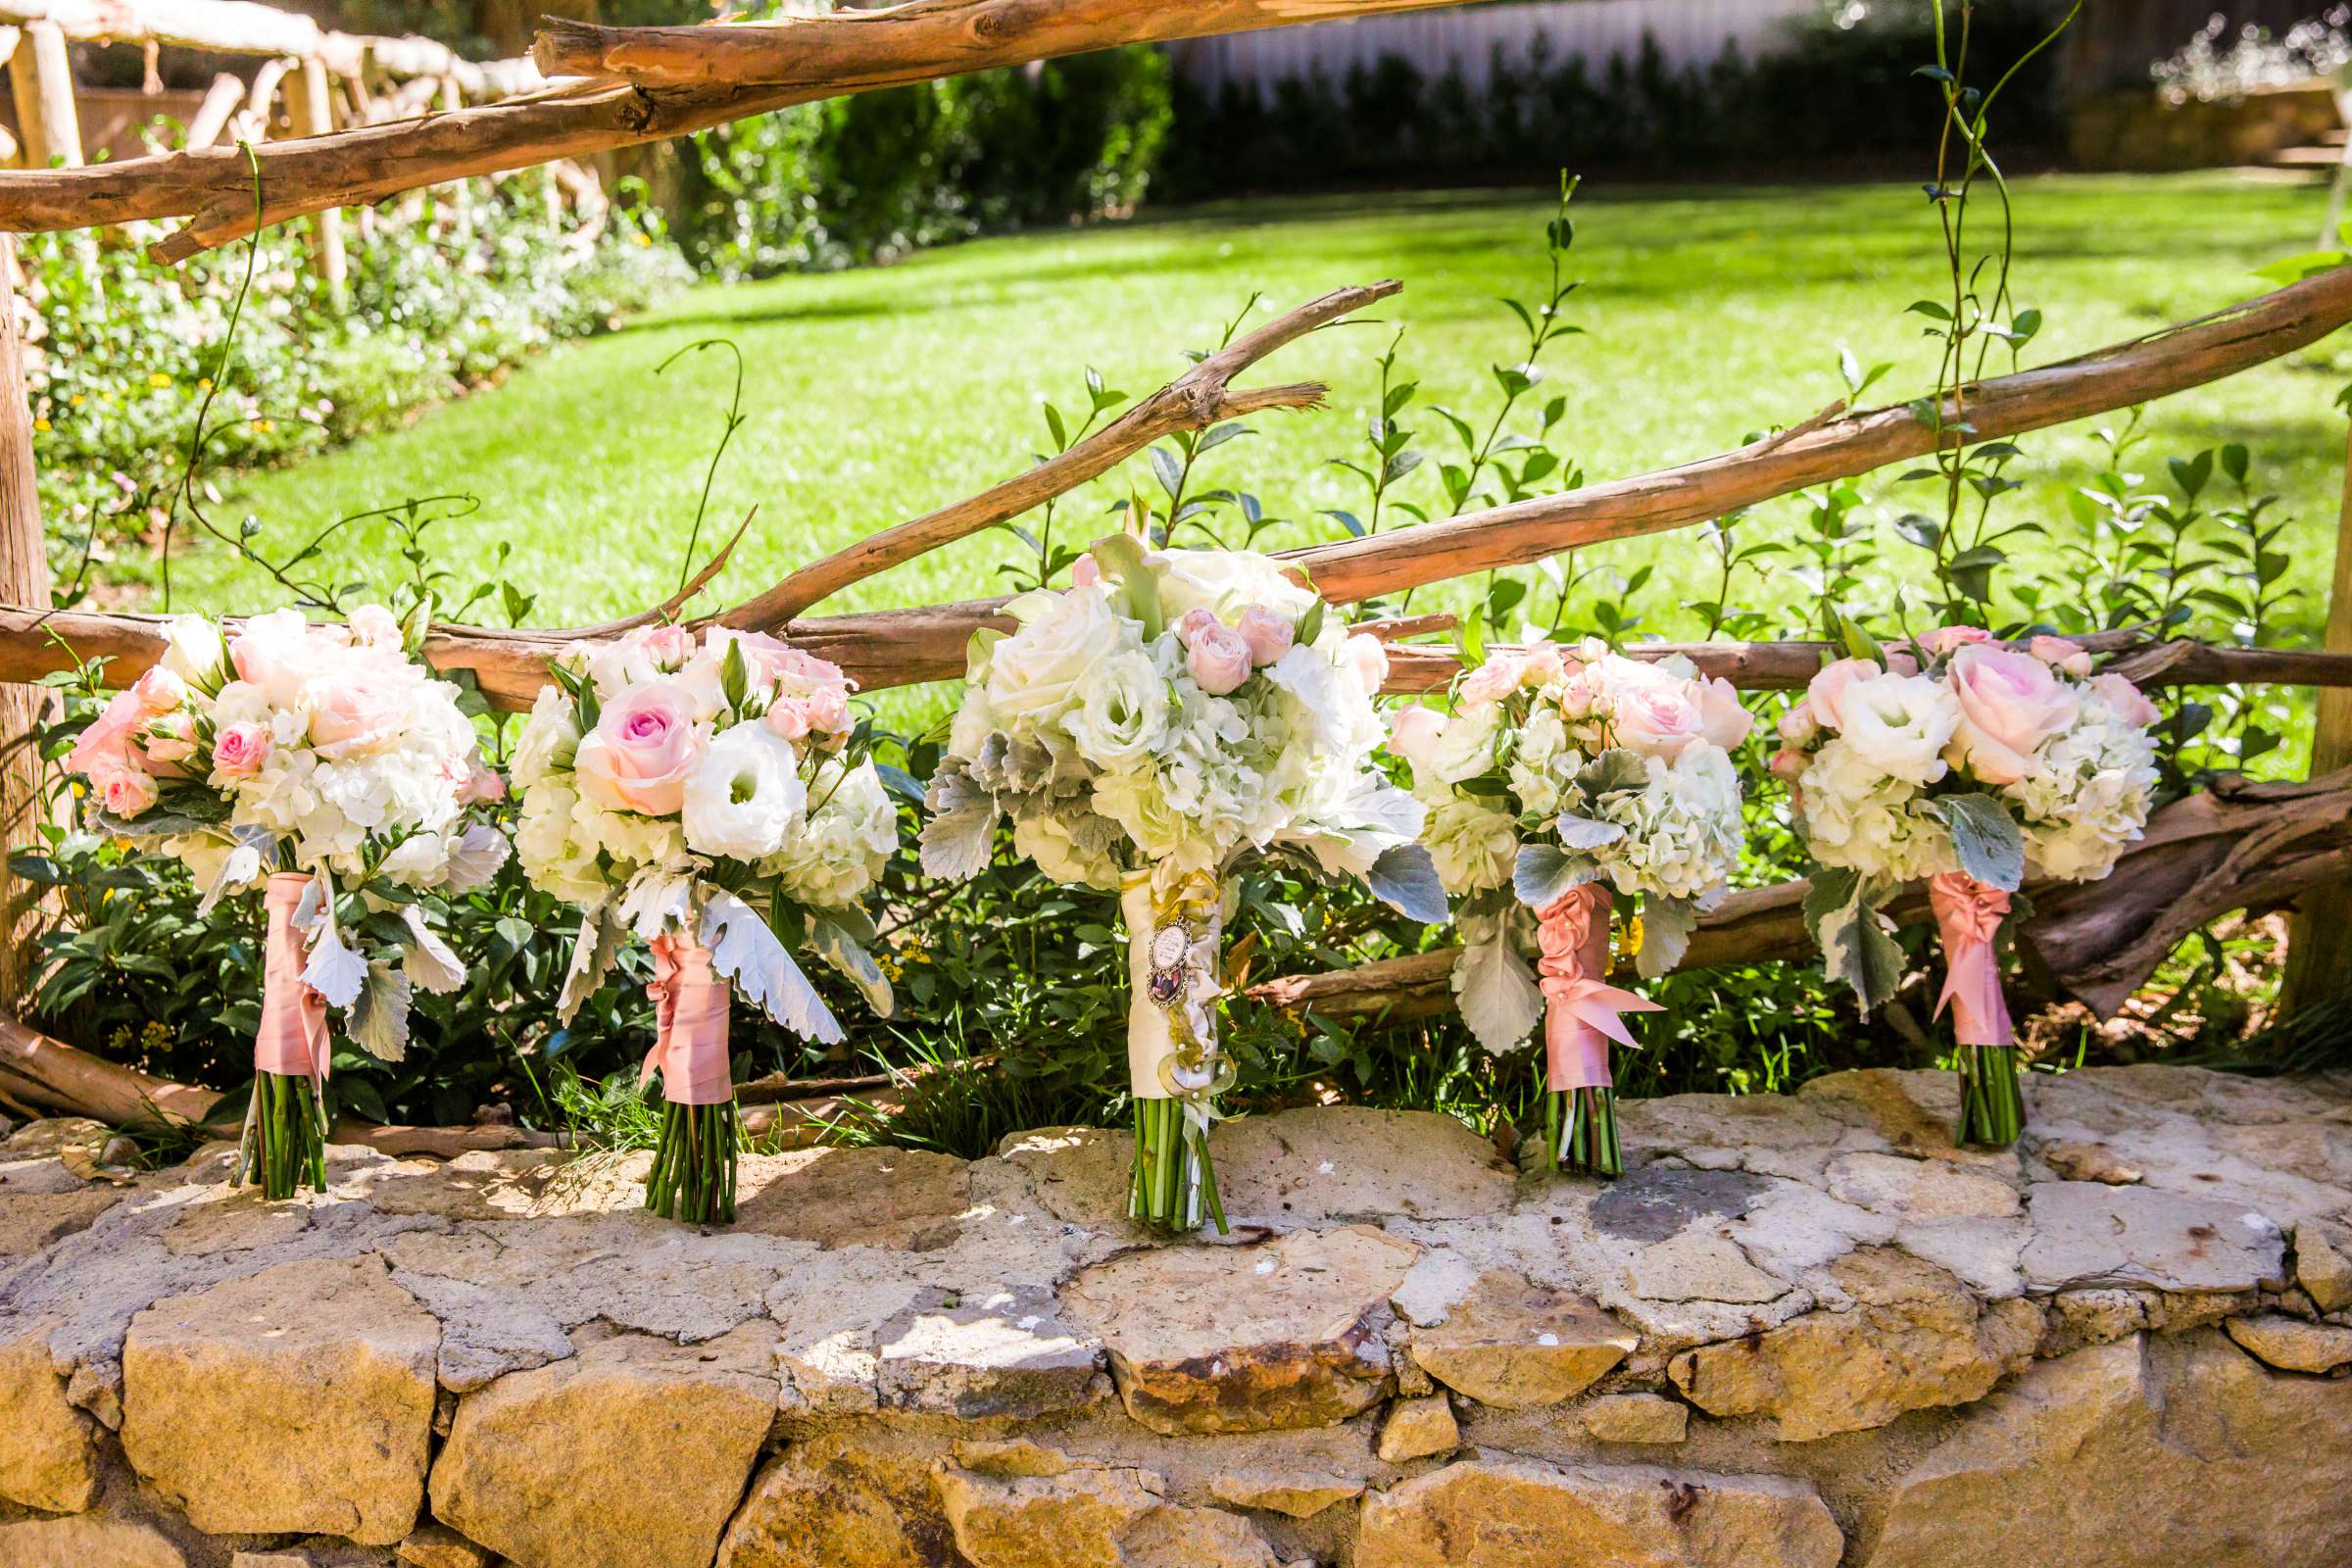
(876, 395)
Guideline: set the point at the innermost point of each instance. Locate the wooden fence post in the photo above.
(312, 108)
(2319, 943)
(42, 79)
(23, 580)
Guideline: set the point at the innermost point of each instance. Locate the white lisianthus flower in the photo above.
(1472, 843)
(550, 739)
(1122, 711)
(1900, 724)
(744, 799)
(194, 651)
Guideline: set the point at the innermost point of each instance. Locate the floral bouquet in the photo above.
(1565, 778)
(705, 794)
(1968, 763)
(325, 764)
(1148, 730)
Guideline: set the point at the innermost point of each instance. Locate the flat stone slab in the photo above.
(1517, 1345)
(2088, 1233)
(1245, 1339)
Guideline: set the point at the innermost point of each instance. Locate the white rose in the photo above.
(1900, 724)
(744, 799)
(1465, 748)
(1226, 582)
(550, 739)
(1122, 711)
(195, 651)
(1033, 674)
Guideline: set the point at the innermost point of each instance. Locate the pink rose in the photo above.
(373, 626)
(358, 708)
(1799, 725)
(1786, 765)
(2130, 703)
(828, 710)
(1195, 621)
(107, 740)
(239, 750)
(1268, 635)
(1828, 688)
(1544, 664)
(483, 786)
(2010, 702)
(1414, 734)
(1492, 680)
(668, 648)
(124, 790)
(2071, 656)
(159, 691)
(1946, 639)
(1370, 657)
(277, 652)
(164, 748)
(1656, 718)
(1218, 659)
(1722, 720)
(803, 671)
(641, 752)
(1900, 662)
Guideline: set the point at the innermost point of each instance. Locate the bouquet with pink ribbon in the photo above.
(710, 795)
(1969, 764)
(1567, 779)
(1170, 718)
(327, 766)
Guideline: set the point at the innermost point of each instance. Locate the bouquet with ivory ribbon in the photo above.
(1566, 779)
(1970, 763)
(328, 768)
(1169, 718)
(709, 796)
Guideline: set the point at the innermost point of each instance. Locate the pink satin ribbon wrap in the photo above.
(292, 1039)
(1579, 1018)
(1969, 914)
(690, 1040)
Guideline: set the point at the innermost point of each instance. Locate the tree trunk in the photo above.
(23, 580)
(2318, 950)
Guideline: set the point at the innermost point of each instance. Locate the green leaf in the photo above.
(1985, 837)
(2294, 269)
(1841, 910)
(1311, 624)
(734, 676)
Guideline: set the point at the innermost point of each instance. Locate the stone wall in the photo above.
(1801, 1332)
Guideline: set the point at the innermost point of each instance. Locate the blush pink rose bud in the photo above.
(159, 691)
(126, 791)
(1722, 719)
(1828, 688)
(1267, 634)
(1656, 719)
(373, 626)
(1799, 725)
(828, 710)
(1950, 639)
(1084, 573)
(1492, 680)
(1413, 734)
(1218, 656)
(239, 750)
(643, 747)
(2130, 703)
(1195, 621)
(483, 786)
(1786, 765)
(2071, 656)
(2010, 702)
(1370, 657)
(668, 648)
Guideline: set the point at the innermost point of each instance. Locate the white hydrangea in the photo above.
(1472, 843)
(2087, 795)
(852, 829)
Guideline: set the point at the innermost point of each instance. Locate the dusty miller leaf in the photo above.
(1666, 927)
(1542, 875)
(1405, 879)
(1496, 992)
(379, 1019)
(839, 946)
(593, 953)
(1985, 838)
(744, 948)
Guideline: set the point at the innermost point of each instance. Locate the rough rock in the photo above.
(1415, 1428)
(88, 1541)
(2324, 1272)
(437, 1546)
(908, 1199)
(2086, 1232)
(1245, 1339)
(1077, 1174)
(208, 1416)
(1515, 1345)
(1768, 1135)
(1328, 1166)
(2073, 1162)
(2118, 1312)
(838, 1501)
(1503, 1512)
(2293, 1344)
(48, 1449)
(1089, 1516)
(1913, 1111)
(1913, 1338)
(2136, 1454)
(1301, 1493)
(634, 1440)
(31, 1222)
(1001, 1353)
(1919, 1189)
(1636, 1418)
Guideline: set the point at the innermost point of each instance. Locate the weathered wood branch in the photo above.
(932, 38)
(1194, 400)
(2239, 846)
(2189, 355)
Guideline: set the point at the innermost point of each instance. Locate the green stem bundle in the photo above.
(693, 1178)
(284, 1145)
(1993, 1105)
(1173, 1185)
(1587, 1146)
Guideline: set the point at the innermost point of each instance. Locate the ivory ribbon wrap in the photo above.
(690, 1036)
(1151, 1038)
(1969, 914)
(1580, 1017)
(292, 1039)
